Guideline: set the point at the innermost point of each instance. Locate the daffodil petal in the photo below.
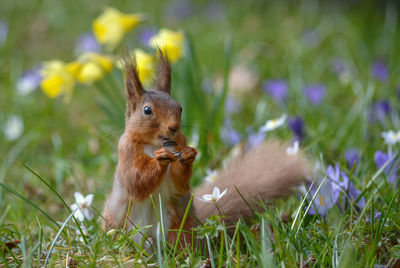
(57, 78)
(145, 66)
(111, 26)
(52, 86)
(90, 73)
(170, 42)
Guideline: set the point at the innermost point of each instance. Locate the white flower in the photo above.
(294, 149)
(25, 86)
(211, 176)
(273, 124)
(82, 206)
(84, 231)
(13, 127)
(214, 197)
(391, 137)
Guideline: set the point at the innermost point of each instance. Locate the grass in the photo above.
(67, 147)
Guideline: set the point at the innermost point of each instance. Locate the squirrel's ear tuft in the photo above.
(134, 88)
(163, 80)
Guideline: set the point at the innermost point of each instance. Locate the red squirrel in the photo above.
(146, 168)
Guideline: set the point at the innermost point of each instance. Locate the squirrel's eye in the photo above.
(147, 110)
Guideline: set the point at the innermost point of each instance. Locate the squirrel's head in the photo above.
(152, 116)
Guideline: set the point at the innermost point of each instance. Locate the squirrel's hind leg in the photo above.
(115, 209)
(188, 236)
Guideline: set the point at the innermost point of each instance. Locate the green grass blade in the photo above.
(219, 104)
(221, 250)
(159, 254)
(374, 178)
(265, 257)
(60, 197)
(301, 206)
(210, 251)
(57, 236)
(309, 205)
(367, 205)
(48, 185)
(29, 202)
(12, 156)
(161, 217)
(182, 224)
(245, 201)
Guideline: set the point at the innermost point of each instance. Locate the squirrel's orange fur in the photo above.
(145, 168)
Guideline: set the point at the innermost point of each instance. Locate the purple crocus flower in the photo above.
(379, 71)
(352, 157)
(29, 81)
(296, 124)
(231, 105)
(277, 88)
(3, 31)
(391, 169)
(338, 178)
(315, 93)
(377, 216)
(325, 199)
(145, 34)
(341, 182)
(230, 136)
(379, 111)
(255, 139)
(354, 194)
(87, 43)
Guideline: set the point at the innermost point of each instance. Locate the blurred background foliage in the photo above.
(334, 44)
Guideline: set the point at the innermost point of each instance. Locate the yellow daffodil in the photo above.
(92, 67)
(169, 42)
(58, 78)
(145, 66)
(111, 26)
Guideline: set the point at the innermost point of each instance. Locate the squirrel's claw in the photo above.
(164, 156)
(188, 155)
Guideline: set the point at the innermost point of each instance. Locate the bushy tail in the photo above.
(267, 172)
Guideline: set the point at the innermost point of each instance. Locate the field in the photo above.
(332, 67)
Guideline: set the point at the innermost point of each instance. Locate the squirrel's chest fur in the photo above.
(143, 212)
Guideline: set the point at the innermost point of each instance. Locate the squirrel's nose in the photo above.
(174, 128)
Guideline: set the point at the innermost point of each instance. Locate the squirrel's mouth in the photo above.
(163, 138)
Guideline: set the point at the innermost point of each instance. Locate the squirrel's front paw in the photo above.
(164, 156)
(188, 154)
